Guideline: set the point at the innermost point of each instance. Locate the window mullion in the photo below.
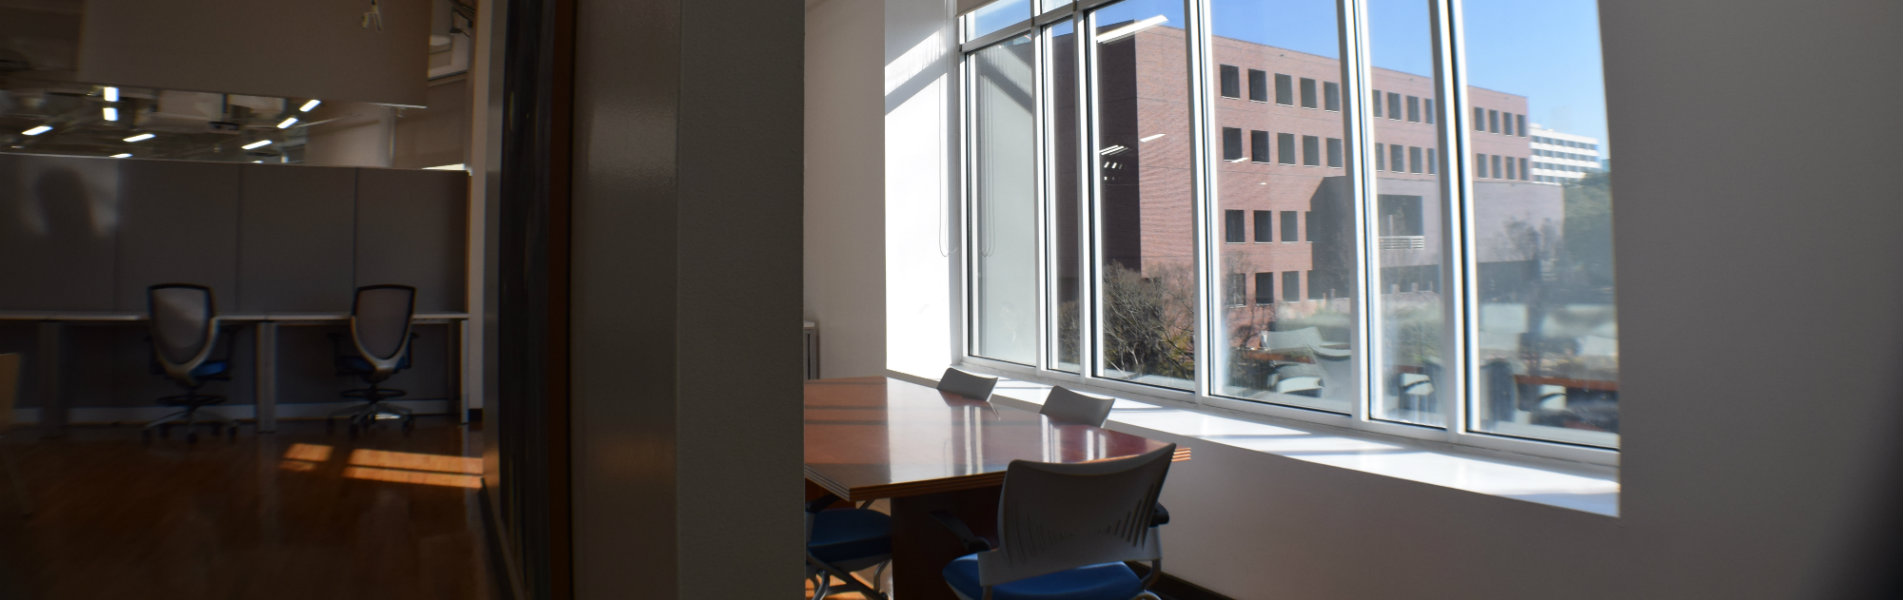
(1356, 78)
(1456, 224)
(1202, 196)
(1040, 121)
(1092, 364)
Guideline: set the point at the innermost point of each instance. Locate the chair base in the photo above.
(822, 577)
(190, 418)
(361, 417)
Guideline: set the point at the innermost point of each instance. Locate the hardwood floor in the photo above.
(291, 515)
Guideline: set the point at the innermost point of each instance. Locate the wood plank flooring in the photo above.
(291, 515)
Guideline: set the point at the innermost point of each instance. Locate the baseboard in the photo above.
(114, 415)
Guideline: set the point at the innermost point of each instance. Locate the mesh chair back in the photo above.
(1056, 517)
(967, 384)
(380, 324)
(1072, 407)
(9, 388)
(183, 326)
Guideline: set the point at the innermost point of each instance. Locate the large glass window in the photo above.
(1174, 241)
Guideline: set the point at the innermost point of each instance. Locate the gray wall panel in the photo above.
(59, 217)
(411, 227)
(181, 225)
(295, 247)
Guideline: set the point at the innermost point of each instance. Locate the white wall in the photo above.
(919, 75)
(1760, 456)
(845, 185)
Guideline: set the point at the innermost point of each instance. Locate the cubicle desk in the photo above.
(51, 333)
(874, 437)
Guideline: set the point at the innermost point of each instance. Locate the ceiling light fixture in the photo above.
(37, 130)
(123, 155)
(1131, 29)
(141, 137)
(111, 114)
(287, 123)
(257, 144)
(310, 105)
(111, 93)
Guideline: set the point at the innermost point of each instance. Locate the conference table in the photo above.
(871, 438)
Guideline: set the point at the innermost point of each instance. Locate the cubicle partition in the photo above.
(282, 247)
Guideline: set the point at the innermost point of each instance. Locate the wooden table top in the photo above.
(875, 437)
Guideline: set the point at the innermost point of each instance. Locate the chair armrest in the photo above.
(1161, 516)
(971, 541)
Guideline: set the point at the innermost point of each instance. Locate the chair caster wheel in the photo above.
(191, 438)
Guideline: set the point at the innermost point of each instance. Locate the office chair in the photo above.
(967, 384)
(184, 321)
(9, 392)
(842, 540)
(380, 320)
(1065, 531)
(1074, 407)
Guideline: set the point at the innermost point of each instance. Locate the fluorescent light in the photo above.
(1113, 150)
(141, 137)
(1131, 29)
(310, 105)
(454, 167)
(257, 144)
(287, 123)
(37, 130)
(123, 155)
(112, 114)
(112, 94)
(1151, 137)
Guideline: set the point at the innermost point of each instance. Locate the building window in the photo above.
(1292, 285)
(1394, 106)
(1496, 166)
(1433, 167)
(1234, 292)
(1264, 288)
(1380, 157)
(1258, 85)
(1493, 121)
(1480, 166)
(1231, 143)
(1334, 152)
(1311, 151)
(1259, 146)
(1291, 227)
(1264, 233)
(1427, 105)
(1519, 124)
(1522, 169)
(1413, 159)
(1511, 172)
(1396, 157)
(1285, 146)
(1480, 119)
(1331, 95)
(1231, 82)
(1284, 89)
(1377, 103)
(1308, 93)
(1413, 109)
(1232, 226)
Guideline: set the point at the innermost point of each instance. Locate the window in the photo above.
(1128, 284)
(1231, 82)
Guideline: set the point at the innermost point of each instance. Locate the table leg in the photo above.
(456, 344)
(267, 377)
(921, 547)
(52, 335)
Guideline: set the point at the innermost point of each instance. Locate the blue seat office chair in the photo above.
(840, 541)
(9, 392)
(1066, 530)
(184, 321)
(971, 385)
(380, 322)
(1069, 406)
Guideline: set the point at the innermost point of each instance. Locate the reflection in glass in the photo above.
(1068, 203)
(1408, 212)
(1004, 174)
(1141, 111)
(997, 15)
(1548, 337)
(1295, 347)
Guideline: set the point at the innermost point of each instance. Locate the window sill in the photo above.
(1578, 488)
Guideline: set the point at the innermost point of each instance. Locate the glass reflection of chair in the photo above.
(184, 322)
(1064, 532)
(1308, 365)
(380, 333)
(9, 392)
(1064, 404)
(971, 385)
